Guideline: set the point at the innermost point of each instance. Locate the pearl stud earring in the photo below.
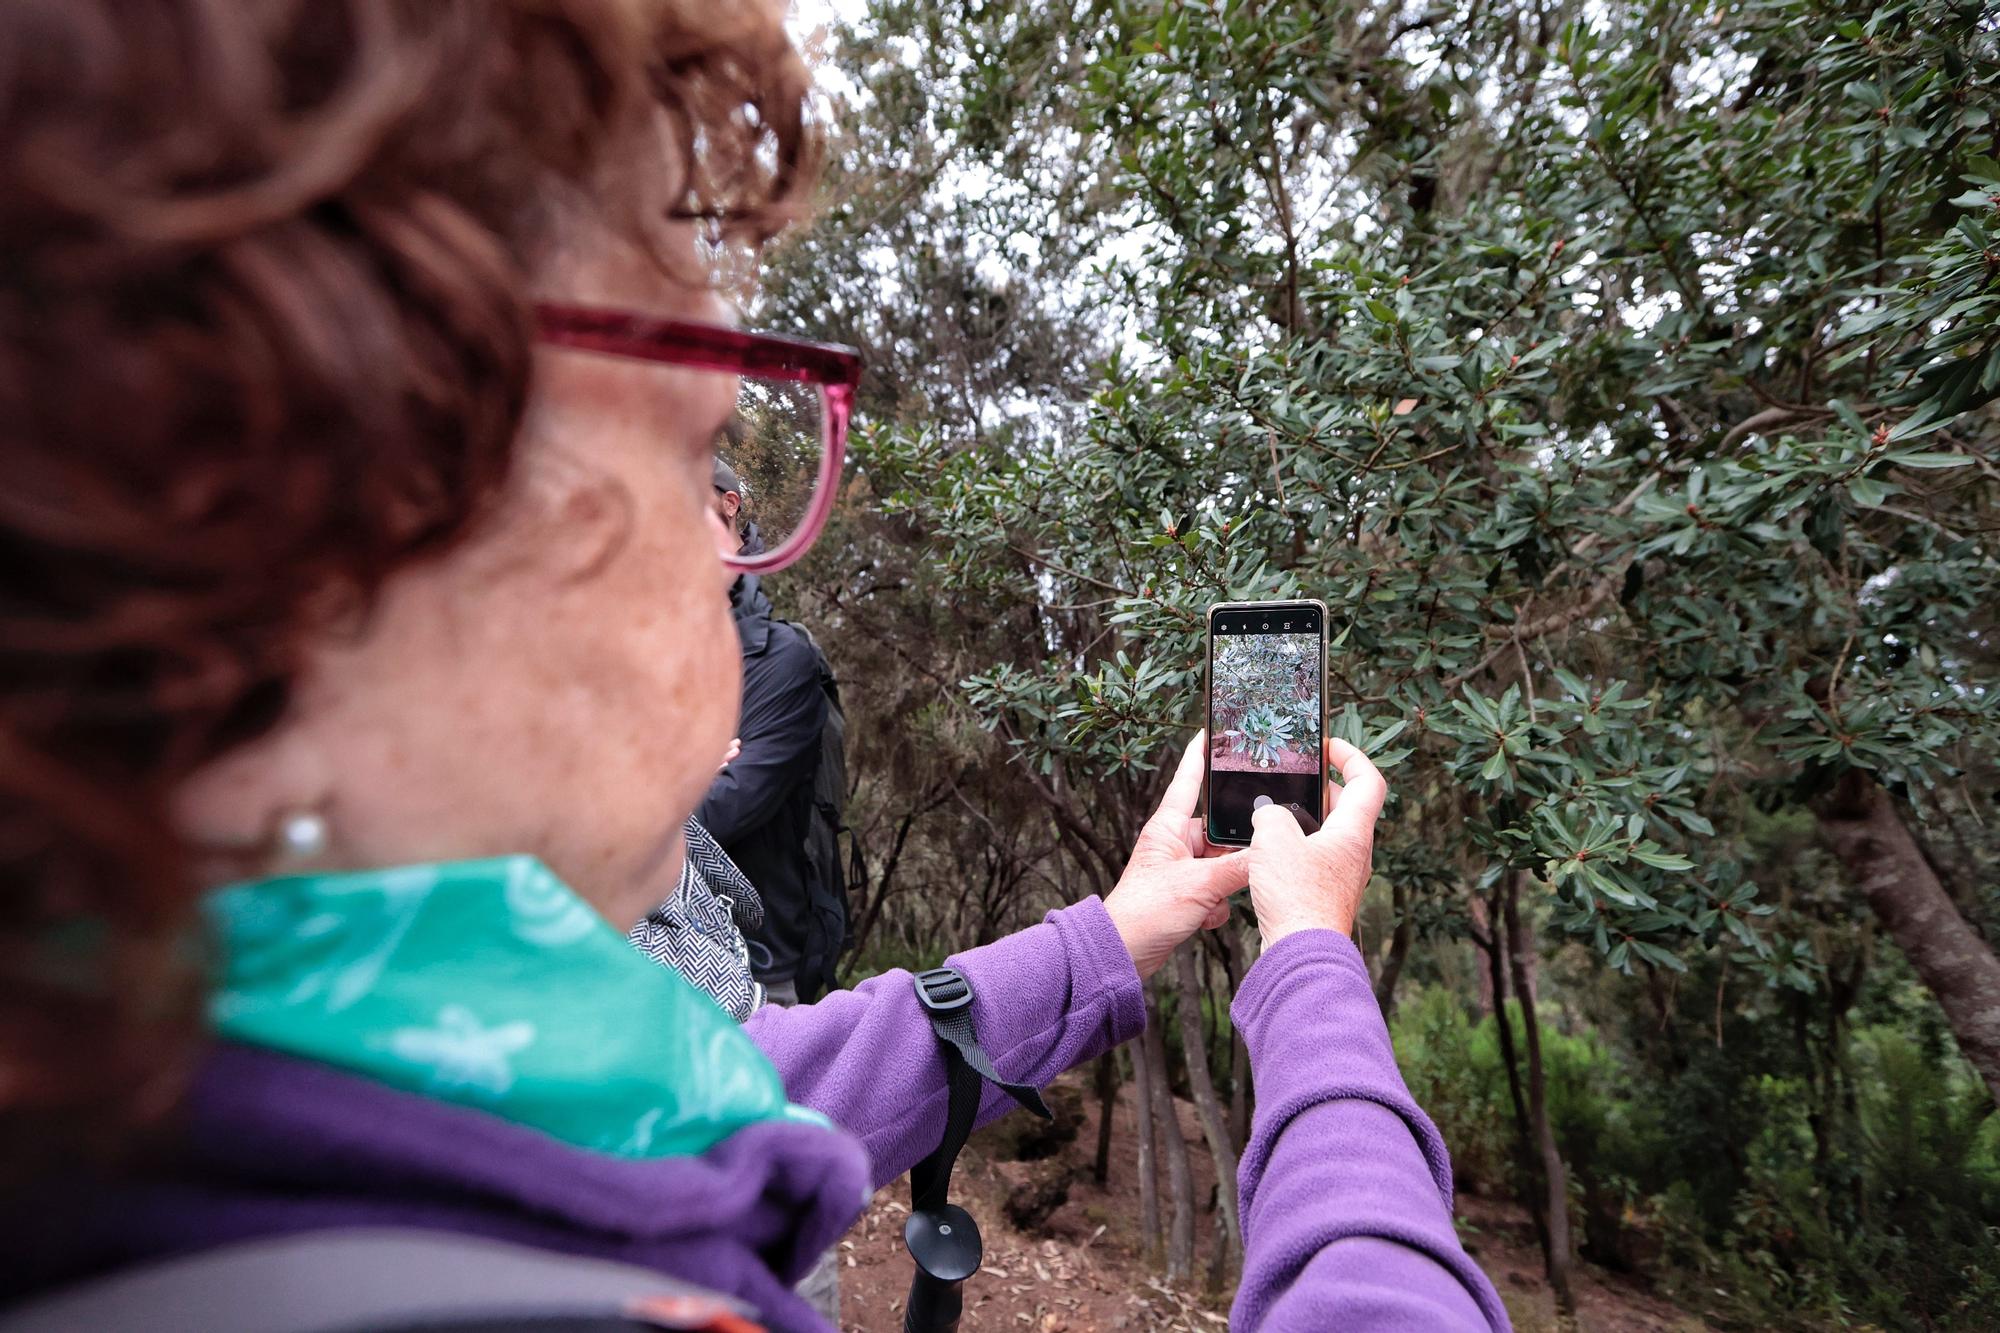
(302, 835)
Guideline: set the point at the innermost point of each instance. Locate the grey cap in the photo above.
(726, 479)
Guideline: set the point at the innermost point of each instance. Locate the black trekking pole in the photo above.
(945, 1243)
(941, 1236)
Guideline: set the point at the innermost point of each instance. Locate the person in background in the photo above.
(363, 655)
(760, 808)
(698, 930)
(699, 933)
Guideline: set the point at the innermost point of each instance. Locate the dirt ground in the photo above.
(1081, 1271)
(1288, 761)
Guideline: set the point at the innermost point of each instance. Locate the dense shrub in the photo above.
(1905, 1234)
(1714, 1182)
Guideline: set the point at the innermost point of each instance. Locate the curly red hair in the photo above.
(264, 340)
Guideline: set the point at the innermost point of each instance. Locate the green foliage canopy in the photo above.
(1620, 377)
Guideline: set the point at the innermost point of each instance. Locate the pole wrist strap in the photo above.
(944, 1240)
(947, 999)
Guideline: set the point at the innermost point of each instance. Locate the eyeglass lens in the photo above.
(774, 445)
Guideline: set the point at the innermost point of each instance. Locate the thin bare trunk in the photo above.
(1172, 1147)
(1867, 833)
(1107, 1105)
(1494, 943)
(1488, 980)
(1399, 952)
(1560, 1252)
(1240, 1090)
(881, 889)
(1194, 1042)
(1219, 1249)
(1523, 958)
(1149, 1171)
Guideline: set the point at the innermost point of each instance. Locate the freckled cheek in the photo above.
(728, 663)
(694, 638)
(690, 566)
(697, 637)
(724, 541)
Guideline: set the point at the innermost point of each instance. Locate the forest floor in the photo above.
(1289, 760)
(1080, 1269)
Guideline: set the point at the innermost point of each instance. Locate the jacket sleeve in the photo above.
(784, 711)
(1044, 999)
(1345, 1184)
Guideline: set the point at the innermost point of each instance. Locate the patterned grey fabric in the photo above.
(696, 932)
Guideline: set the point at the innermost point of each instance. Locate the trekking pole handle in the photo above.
(945, 1243)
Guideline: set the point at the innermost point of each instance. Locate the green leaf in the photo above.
(1867, 492)
(1387, 734)
(1660, 860)
(1695, 823)
(1913, 458)
(1849, 417)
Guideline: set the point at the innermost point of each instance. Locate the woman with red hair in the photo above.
(364, 648)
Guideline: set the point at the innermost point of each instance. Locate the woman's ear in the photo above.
(567, 514)
(571, 510)
(585, 516)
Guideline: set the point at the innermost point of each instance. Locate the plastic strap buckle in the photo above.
(943, 990)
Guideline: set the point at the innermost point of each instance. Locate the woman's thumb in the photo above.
(1223, 875)
(1273, 826)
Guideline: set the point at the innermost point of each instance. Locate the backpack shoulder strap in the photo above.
(828, 682)
(381, 1279)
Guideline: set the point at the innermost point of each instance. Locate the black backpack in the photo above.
(826, 890)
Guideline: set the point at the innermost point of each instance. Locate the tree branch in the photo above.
(1770, 416)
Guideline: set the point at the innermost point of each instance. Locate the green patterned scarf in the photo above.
(492, 985)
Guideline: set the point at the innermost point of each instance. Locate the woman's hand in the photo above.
(1300, 882)
(1174, 884)
(729, 755)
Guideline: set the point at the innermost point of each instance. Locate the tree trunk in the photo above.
(858, 937)
(1399, 951)
(1867, 833)
(1240, 1091)
(1560, 1253)
(1493, 942)
(1149, 1171)
(1194, 1042)
(1524, 962)
(1107, 1105)
(1490, 986)
(1220, 1248)
(1172, 1147)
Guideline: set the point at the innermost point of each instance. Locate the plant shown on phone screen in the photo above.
(1264, 735)
(1305, 714)
(1266, 703)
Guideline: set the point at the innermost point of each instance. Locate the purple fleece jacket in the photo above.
(1345, 1184)
(1345, 1187)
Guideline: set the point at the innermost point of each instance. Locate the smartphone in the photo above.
(1266, 713)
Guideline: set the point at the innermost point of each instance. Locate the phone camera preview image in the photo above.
(1266, 715)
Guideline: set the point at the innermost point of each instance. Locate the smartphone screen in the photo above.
(1266, 712)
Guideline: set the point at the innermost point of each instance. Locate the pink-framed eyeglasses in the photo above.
(788, 440)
